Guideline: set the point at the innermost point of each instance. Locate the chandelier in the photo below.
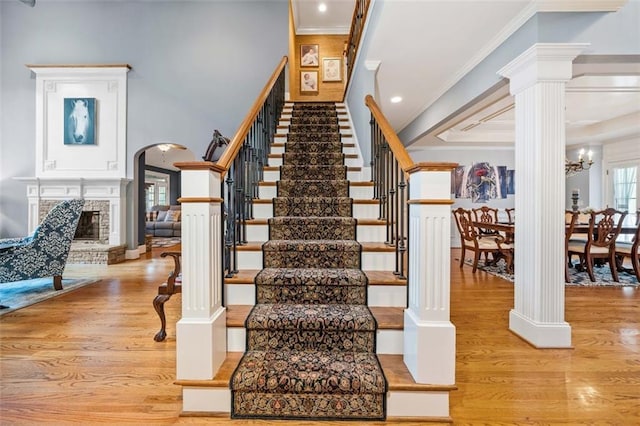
(574, 167)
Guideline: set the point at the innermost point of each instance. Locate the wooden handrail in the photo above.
(355, 35)
(395, 144)
(236, 143)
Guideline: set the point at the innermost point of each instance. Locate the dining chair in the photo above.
(511, 215)
(604, 228)
(470, 240)
(630, 250)
(486, 214)
(570, 219)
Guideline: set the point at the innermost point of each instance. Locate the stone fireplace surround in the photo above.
(104, 195)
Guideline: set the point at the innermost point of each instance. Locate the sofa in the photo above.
(164, 221)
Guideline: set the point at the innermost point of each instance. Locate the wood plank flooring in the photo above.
(89, 357)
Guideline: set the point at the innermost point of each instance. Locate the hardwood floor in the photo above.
(89, 357)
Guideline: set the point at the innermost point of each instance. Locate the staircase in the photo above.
(314, 318)
(310, 342)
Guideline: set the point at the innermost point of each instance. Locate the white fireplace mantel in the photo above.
(102, 189)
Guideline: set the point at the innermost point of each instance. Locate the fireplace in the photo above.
(101, 230)
(88, 226)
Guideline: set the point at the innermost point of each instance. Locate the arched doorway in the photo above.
(156, 181)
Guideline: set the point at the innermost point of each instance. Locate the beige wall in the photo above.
(330, 46)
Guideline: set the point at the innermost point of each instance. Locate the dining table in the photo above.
(508, 229)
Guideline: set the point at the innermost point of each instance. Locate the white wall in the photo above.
(196, 66)
(618, 154)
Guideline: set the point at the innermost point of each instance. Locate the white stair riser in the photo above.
(378, 261)
(258, 232)
(360, 211)
(387, 341)
(378, 295)
(418, 404)
(240, 294)
(361, 192)
(275, 162)
(387, 295)
(355, 192)
(263, 211)
(371, 261)
(236, 339)
(371, 233)
(202, 399)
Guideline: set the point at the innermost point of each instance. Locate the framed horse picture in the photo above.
(79, 121)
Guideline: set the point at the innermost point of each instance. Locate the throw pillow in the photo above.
(152, 216)
(161, 216)
(172, 216)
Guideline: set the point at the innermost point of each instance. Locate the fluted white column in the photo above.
(201, 342)
(429, 335)
(537, 80)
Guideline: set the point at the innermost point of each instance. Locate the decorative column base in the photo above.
(540, 335)
(429, 350)
(197, 357)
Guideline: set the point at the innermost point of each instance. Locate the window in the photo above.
(625, 189)
(157, 189)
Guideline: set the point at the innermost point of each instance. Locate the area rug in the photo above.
(602, 274)
(165, 241)
(19, 294)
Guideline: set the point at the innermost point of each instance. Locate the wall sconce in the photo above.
(574, 167)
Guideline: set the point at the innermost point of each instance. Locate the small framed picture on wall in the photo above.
(309, 81)
(331, 69)
(309, 55)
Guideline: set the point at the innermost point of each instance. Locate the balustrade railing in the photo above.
(390, 163)
(355, 34)
(244, 161)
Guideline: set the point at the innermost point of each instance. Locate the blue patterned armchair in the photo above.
(43, 254)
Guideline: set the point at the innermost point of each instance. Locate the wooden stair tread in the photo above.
(256, 221)
(247, 276)
(395, 370)
(399, 378)
(361, 183)
(388, 317)
(384, 278)
(367, 246)
(237, 314)
(377, 222)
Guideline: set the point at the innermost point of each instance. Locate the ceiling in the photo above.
(422, 71)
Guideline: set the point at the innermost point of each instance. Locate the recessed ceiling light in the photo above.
(396, 99)
(322, 7)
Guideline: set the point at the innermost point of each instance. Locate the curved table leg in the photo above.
(158, 304)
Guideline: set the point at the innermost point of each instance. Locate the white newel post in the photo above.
(429, 335)
(201, 343)
(537, 80)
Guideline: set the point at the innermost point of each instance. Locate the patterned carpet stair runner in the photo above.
(310, 349)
